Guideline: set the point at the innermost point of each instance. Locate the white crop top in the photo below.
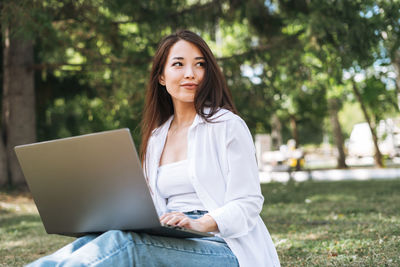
(174, 185)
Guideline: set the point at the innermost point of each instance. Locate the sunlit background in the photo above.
(317, 82)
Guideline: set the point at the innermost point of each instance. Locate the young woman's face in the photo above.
(183, 71)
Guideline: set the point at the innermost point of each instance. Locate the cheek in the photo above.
(200, 74)
(171, 77)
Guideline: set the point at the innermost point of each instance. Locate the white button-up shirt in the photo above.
(224, 173)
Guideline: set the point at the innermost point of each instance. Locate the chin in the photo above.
(188, 99)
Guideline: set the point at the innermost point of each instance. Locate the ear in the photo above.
(161, 80)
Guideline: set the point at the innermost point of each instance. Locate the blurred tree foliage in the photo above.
(284, 58)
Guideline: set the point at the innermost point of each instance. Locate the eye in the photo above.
(201, 64)
(178, 64)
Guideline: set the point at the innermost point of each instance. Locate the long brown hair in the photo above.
(213, 91)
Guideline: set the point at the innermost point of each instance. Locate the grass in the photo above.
(22, 236)
(349, 223)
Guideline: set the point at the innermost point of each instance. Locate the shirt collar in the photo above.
(197, 120)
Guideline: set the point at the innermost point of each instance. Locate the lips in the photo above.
(189, 86)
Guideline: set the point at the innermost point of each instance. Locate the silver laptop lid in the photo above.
(88, 183)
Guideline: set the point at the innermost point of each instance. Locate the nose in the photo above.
(189, 73)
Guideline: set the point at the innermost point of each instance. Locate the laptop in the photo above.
(91, 184)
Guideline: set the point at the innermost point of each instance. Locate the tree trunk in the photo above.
(378, 154)
(293, 126)
(18, 109)
(3, 164)
(3, 153)
(276, 132)
(396, 65)
(337, 132)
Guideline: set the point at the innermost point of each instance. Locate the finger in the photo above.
(185, 222)
(167, 218)
(163, 216)
(169, 214)
(172, 213)
(175, 220)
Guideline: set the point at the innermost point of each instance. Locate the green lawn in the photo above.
(350, 223)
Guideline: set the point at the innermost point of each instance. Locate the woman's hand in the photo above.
(204, 224)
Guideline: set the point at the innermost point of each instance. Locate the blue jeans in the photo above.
(120, 248)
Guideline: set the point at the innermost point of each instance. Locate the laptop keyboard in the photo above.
(173, 226)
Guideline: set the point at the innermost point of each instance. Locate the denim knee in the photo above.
(117, 234)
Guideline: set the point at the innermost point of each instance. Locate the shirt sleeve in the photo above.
(243, 198)
(146, 164)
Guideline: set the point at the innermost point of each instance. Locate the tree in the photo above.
(102, 48)
(337, 131)
(18, 105)
(92, 59)
(389, 31)
(344, 36)
(375, 102)
(372, 127)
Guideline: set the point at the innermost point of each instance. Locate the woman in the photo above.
(199, 159)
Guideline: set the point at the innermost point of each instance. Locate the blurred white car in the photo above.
(361, 144)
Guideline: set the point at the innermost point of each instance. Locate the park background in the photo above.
(298, 70)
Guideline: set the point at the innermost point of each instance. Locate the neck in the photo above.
(184, 114)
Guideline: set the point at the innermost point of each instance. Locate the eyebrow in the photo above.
(181, 58)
